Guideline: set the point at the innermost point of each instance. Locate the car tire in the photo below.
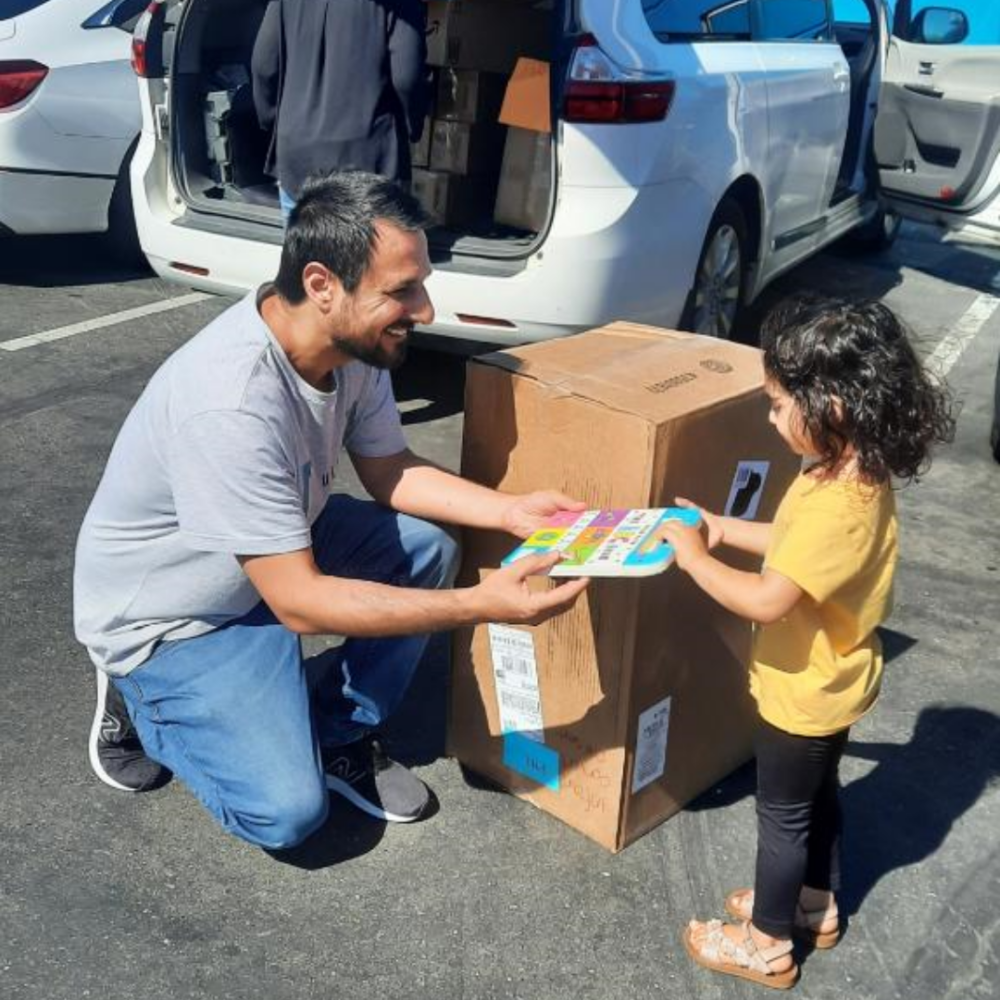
(122, 238)
(879, 233)
(715, 304)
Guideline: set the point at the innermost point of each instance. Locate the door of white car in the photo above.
(937, 135)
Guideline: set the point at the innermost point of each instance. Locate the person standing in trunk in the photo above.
(339, 84)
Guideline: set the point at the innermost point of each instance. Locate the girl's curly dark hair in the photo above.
(852, 371)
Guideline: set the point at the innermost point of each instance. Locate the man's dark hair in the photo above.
(333, 223)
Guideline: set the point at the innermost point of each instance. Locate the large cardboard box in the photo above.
(524, 191)
(621, 711)
(488, 35)
(463, 148)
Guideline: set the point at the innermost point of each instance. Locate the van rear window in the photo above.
(13, 8)
(702, 20)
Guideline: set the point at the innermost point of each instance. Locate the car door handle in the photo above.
(917, 88)
(926, 69)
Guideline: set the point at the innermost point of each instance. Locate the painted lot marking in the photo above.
(112, 319)
(953, 346)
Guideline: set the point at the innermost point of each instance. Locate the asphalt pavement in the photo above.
(104, 894)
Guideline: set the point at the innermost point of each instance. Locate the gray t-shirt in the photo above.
(227, 452)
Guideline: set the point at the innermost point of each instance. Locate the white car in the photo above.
(69, 116)
(699, 148)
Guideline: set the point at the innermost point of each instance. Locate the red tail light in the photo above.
(597, 92)
(18, 79)
(145, 63)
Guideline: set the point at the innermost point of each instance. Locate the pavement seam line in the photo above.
(112, 319)
(953, 346)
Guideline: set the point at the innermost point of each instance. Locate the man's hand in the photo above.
(504, 597)
(713, 522)
(688, 542)
(527, 513)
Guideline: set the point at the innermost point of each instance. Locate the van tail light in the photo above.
(146, 62)
(599, 93)
(18, 79)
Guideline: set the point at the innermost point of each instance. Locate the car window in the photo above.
(13, 8)
(948, 22)
(702, 20)
(799, 20)
(851, 12)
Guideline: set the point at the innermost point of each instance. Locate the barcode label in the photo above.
(651, 745)
(515, 675)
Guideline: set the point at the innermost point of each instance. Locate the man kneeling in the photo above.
(215, 540)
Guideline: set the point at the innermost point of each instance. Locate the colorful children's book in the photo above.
(606, 542)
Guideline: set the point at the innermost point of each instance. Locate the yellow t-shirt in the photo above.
(819, 669)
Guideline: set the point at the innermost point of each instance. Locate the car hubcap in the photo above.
(717, 292)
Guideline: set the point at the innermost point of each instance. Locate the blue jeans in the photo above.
(240, 717)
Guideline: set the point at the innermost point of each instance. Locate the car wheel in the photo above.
(879, 233)
(122, 238)
(715, 303)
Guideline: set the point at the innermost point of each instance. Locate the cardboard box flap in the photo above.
(653, 373)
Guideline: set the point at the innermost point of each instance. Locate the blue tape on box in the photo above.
(532, 759)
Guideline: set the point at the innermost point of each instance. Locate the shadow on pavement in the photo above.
(58, 261)
(347, 834)
(903, 810)
(432, 382)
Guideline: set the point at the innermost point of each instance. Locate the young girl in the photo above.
(848, 394)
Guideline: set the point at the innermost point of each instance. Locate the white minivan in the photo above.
(699, 149)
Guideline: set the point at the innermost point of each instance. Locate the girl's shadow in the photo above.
(901, 812)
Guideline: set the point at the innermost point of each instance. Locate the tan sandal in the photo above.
(719, 953)
(739, 904)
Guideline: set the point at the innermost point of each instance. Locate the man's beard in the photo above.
(376, 355)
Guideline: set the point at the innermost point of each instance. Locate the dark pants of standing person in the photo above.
(798, 822)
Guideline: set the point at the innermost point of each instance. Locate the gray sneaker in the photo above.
(376, 784)
(116, 755)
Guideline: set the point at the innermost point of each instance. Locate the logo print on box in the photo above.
(714, 365)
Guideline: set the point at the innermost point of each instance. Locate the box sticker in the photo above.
(651, 745)
(516, 677)
(747, 489)
(532, 759)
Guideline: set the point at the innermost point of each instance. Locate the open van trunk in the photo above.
(218, 148)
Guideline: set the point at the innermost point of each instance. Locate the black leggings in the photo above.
(798, 822)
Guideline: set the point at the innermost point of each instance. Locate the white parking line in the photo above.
(61, 332)
(969, 324)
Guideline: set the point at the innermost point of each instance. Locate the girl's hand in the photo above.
(527, 513)
(688, 542)
(713, 522)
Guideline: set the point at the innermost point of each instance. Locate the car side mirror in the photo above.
(939, 26)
